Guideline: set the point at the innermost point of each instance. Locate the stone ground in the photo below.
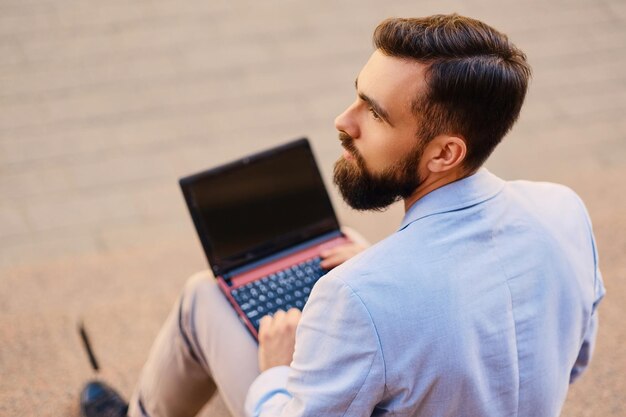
(104, 105)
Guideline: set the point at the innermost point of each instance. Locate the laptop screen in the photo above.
(259, 205)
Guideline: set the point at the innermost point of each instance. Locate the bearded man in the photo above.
(483, 303)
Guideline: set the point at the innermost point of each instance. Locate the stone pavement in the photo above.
(103, 105)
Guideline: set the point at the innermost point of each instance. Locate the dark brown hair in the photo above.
(476, 78)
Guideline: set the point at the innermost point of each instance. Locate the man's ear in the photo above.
(445, 153)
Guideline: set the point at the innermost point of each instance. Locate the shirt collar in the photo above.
(457, 195)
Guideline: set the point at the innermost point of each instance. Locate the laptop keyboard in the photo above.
(279, 291)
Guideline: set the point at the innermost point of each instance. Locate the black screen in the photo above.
(259, 205)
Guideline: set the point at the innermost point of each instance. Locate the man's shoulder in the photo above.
(548, 198)
(544, 190)
(399, 254)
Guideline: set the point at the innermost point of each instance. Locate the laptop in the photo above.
(263, 221)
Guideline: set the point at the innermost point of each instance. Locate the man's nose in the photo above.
(346, 122)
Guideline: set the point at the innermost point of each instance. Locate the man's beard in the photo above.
(364, 190)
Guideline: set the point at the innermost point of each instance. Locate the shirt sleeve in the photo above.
(337, 368)
(588, 345)
(589, 341)
(584, 355)
(268, 392)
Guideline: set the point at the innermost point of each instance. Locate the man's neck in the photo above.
(431, 183)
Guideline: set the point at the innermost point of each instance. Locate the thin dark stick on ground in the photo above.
(87, 345)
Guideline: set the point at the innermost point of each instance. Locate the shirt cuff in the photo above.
(268, 390)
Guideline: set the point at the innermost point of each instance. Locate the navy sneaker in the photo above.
(100, 400)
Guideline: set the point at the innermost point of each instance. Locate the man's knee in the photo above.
(198, 290)
(201, 296)
(199, 282)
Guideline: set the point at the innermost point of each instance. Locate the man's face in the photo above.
(379, 133)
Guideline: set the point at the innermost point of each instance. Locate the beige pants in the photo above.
(201, 345)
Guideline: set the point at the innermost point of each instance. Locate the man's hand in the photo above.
(339, 254)
(277, 338)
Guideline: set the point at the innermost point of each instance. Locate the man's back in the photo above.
(478, 305)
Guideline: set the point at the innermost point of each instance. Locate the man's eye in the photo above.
(374, 114)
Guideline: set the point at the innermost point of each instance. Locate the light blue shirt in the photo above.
(481, 304)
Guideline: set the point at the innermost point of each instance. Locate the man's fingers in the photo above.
(294, 315)
(265, 323)
(355, 236)
(329, 252)
(279, 321)
(278, 315)
(277, 338)
(340, 254)
(337, 251)
(288, 321)
(332, 251)
(331, 262)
